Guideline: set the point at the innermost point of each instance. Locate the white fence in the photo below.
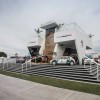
(92, 62)
(6, 62)
(26, 64)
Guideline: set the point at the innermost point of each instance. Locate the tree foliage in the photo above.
(3, 54)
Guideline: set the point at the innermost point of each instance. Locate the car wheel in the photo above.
(71, 63)
(54, 63)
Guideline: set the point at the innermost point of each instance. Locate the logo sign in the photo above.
(66, 35)
(33, 42)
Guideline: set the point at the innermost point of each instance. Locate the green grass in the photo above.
(66, 84)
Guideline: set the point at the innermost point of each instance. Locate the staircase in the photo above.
(76, 72)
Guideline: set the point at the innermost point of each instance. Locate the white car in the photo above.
(88, 60)
(63, 60)
(98, 61)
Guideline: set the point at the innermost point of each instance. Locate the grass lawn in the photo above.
(66, 84)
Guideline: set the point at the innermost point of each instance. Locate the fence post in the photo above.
(97, 72)
(90, 68)
(22, 68)
(30, 64)
(84, 65)
(26, 65)
(11, 64)
(7, 64)
(3, 65)
(35, 60)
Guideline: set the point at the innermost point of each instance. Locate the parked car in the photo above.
(41, 58)
(20, 60)
(63, 60)
(36, 59)
(88, 59)
(99, 60)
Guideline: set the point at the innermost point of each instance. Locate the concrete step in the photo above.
(51, 69)
(61, 75)
(63, 71)
(75, 72)
(67, 77)
(65, 74)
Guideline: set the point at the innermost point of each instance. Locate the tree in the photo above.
(3, 54)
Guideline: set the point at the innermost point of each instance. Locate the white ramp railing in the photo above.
(97, 69)
(26, 63)
(5, 62)
(91, 67)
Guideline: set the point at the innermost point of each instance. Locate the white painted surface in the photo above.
(37, 41)
(42, 47)
(59, 50)
(76, 35)
(86, 42)
(65, 35)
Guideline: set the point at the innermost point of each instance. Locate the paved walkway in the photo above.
(18, 89)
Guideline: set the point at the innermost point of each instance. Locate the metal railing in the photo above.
(26, 63)
(91, 67)
(5, 63)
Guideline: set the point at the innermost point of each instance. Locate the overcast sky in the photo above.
(18, 18)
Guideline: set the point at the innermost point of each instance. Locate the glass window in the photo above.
(89, 56)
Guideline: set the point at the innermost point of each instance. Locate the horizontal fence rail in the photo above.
(26, 64)
(91, 67)
(6, 62)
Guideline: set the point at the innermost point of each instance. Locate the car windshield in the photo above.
(66, 57)
(89, 56)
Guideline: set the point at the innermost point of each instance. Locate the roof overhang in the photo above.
(49, 25)
(36, 46)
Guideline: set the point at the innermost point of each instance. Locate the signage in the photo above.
(33, 42)
(66, 35)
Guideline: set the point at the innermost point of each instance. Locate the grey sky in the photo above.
(18, 18)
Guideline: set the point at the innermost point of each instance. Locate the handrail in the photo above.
(97, 67)
(7, 61)
(27, 63)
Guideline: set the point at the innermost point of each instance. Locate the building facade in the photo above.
(61, 40)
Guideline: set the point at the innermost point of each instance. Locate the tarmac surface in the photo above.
(18, 89)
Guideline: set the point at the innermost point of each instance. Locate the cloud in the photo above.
(18, 18)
